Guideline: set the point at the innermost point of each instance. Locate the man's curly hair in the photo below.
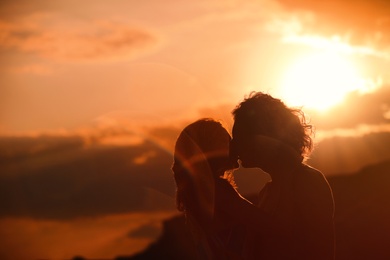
(260, 113)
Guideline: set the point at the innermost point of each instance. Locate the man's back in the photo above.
(302, 225)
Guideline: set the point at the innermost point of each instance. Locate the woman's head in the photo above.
(204, 139)
(201, 153)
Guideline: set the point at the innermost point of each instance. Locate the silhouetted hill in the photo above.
(361, 220)
(363, 213)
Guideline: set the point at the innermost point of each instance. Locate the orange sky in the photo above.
(79, 76)
(66, 64)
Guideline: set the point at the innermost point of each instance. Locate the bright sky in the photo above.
(69, 66)
(65, 64)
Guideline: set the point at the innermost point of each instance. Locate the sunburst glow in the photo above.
(320, 81)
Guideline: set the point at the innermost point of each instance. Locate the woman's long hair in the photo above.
(200, 156)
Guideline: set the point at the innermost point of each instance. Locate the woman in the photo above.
(216, 213)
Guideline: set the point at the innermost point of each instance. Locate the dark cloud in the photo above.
(19, 149)
(67, 181)
(363, 21)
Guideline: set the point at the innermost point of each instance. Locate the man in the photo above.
(269, 135)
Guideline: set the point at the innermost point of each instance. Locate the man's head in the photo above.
(261, 114)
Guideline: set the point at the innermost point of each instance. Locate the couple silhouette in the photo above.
(293, 216)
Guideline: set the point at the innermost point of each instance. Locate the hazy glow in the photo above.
(319, 81)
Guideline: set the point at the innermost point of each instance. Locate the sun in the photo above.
(320, 81)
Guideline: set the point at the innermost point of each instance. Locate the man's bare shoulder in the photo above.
(311, 173)
(312, 180)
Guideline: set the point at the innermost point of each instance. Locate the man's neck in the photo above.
(286, 162)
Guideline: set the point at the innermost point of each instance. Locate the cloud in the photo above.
(63, 39)
(65, 177)
(18, 150)
(335, 44)
(144, 158)
(358, 131)
(366, 31)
